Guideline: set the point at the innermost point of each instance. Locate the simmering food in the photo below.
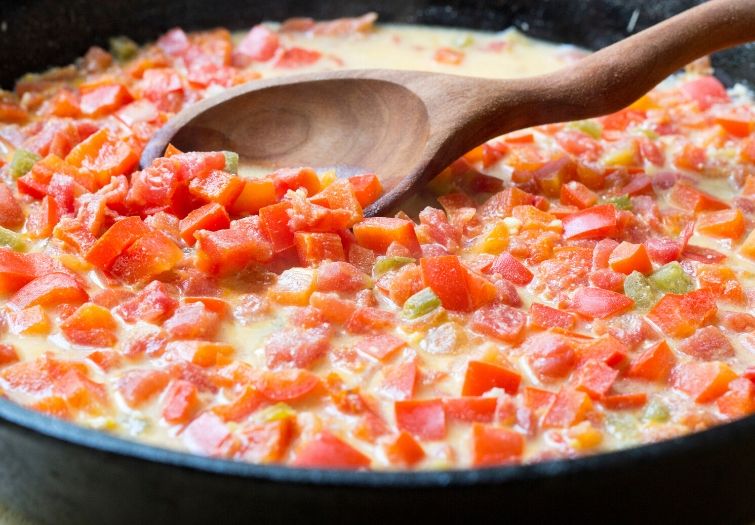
(559, 291)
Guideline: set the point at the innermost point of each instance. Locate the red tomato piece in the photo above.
(255, 195)
(297, 347)
(568, 408)
(550, 356)
(723, 223)
(654, 364)
(381, 346)
(591, 223)
(101, 99)
(596, 378)
(511, 269)
(154, 304)
(367, 188)
(627, 258)
(424, 418)
(242, 406)
(574, 193)
(192, 321)
(377, 233)
(217, 186)
(8, 354)
(703, 382)
(258, 45)
(49, 290)
(471, 408)
(147, 257)
(739, 399)
(209, 435)
(139, 386)
(630, 401)
(296, 57)
(327, 451)
(706, 91)
(211, 217)
(502, 322)
(314, 248)
(289, 384)
(707, 344)
(399, 380)
(404, 450)
(90, 325)
(274, 221)
(690, 198)
(333, 308)
(495, 446)
(105, 155)
(228, 251)
(481, 377)
(597, 303)
(544, 317)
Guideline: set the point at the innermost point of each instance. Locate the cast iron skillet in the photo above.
(62, 474)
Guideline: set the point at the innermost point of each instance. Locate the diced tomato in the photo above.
(274, 221)
(380, 347)
(495, 446)
(295, 57)
(502, 322)
(217, 186)
(8, 354)
(724, 223)
(147, 257)
(327, 451)
(258, 45)
(471, 408)
(288, 384)
(105, 155)
(370, 319)
(627, 258)
(367, 188)
(577, 194)
(211, 217)
(99, 99)
(377, 233)
(208, 435)
(404, 450)
(228, 251)
(314, 248)
(332, 307)
(154, 304)
(690, 198)
(242, 406)
(597, 303)
(590, 223)
(703, 382)
(596, 378)
(139, 386)
(511, 269)
(680, 315)
(115, 240)
(11, 214)
(737, 321)
(481, 377)
(192, 321)
(16, 270)
(255, 195)
(29, 321)
(544, 317)
(294, 287)
(567, 409)
(297, 347)
(654, 364)
(425, 419)
(181, 402)
(722, 282)
(706, 91)
(90, 325)
(707, 344)
(748, 246)
(629, 401)
(550, 356)
(49, 290)
(739, 399)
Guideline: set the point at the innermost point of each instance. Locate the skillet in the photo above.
(58, 473)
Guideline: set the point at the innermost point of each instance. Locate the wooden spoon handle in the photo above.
(616, 76)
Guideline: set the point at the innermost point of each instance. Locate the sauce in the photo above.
(244, 364)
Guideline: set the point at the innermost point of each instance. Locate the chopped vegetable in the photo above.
(421, 303)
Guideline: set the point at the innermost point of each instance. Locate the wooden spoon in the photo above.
(406, 126)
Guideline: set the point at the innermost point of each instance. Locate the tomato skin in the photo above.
(591, 223)
(425, 419)
(597, 303)
(327, 451)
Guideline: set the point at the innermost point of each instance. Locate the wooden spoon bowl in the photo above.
(406, 126)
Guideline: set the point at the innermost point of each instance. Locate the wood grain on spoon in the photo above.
(406, 126)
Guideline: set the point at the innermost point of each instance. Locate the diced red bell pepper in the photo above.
(567, 409)
(471, 408)
(295, 178)
(327, 451)
(595, 222)
(377, 233)
(446, 276)
(289, 384)
(242, 406)
(424, 418)
(481, 377)
(404, 450)
(627, 258)
(314, 248)
(495, 446)
(654, 364)
(217, 186)
(680, 315)
(511, 269)
(723, 223)
(49, 290)
(597, 303)
(367, 188)
(544, 317)
(577, 194)
(274, 221)
(105, 155)
(596, 378)
(255, 195)
(211, 217)
(228, 251)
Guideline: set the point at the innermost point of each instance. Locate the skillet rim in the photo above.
(94, 440)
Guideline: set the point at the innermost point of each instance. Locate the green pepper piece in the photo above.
(421, 303)
(385, 264)
(623, 202)
(671, 277)
(22, 163)
(637, 288)
(231, 162)
(123, 48)
(588, 127)
(656, 411)
(12, 239)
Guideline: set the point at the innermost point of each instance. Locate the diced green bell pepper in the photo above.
(123, 48)
(672, 278)
(622, 203)
(588, 127)
(638, 288)
(421, 303)
(12, 239)
(385, 264)
(656, 411)
(22, 163)
(231, 162)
